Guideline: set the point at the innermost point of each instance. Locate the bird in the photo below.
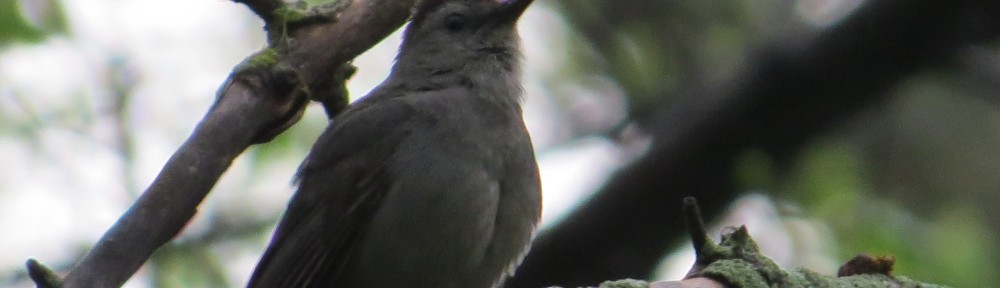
(430, 180)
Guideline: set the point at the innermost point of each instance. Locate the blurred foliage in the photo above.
(953, 247)
(29, 21)
(755, 171)
(910, 178)
(657, 49)
(187, 265)
(835, 181)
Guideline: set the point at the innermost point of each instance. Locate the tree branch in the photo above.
(247, 111)
(736, 261)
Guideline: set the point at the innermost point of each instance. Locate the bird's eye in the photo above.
(454, 22)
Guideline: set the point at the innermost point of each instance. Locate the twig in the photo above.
(695, 224)
(42, 275)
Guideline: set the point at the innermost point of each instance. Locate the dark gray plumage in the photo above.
(430, 180)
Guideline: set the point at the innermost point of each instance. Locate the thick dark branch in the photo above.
(173, 197)
(364, 23)
(242, 112)
(785, 101)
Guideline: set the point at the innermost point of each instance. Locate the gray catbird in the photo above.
(430, 180)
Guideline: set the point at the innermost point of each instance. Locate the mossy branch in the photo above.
(736, 262)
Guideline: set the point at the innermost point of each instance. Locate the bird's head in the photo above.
(448, 34)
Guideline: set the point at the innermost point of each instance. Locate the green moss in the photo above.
(263, 61)
(737, 261)
(290, 14)
(625, 283)
(735, 272)
(304, 12)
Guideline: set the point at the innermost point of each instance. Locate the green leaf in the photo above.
(30, 21)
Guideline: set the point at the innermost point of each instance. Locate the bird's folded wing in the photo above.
(341, 184)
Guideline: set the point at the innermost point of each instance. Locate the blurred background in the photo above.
(828, 127)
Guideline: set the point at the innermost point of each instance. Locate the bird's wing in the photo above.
(341, 183)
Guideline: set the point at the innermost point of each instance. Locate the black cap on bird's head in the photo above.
(462, 29)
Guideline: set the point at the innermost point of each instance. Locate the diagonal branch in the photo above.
(247, 111)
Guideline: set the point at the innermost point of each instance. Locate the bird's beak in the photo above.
(511, 10)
